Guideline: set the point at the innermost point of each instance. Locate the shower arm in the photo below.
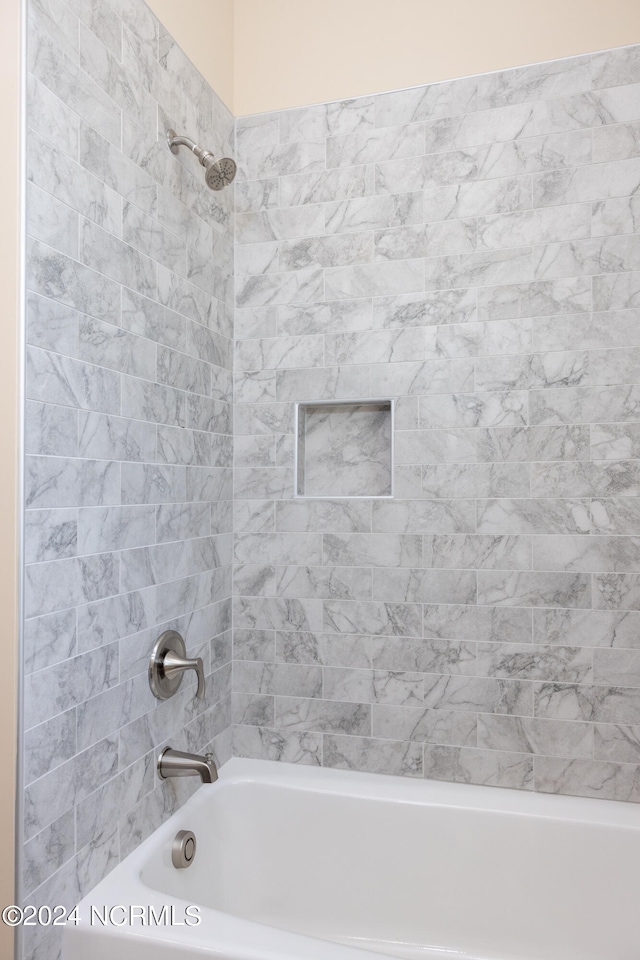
(176, 141)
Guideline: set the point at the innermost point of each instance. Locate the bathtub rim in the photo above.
(419, 790)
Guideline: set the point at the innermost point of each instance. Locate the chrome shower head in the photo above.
(218, 173)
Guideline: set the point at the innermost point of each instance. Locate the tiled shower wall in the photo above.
(128, 473)
(469, 249)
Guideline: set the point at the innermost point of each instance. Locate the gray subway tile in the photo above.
(488, 767)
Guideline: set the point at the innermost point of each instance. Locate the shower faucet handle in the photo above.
(169, 663)
(174, 666)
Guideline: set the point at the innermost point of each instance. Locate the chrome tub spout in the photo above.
(175, 763)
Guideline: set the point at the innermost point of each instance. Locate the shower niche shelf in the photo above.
(344, 449)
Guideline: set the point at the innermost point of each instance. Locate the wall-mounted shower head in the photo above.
(218, 173)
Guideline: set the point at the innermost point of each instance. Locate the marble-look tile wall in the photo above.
(470, 249)
(128, 433)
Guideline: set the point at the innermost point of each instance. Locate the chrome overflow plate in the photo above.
(183, 849)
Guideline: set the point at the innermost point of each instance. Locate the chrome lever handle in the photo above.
(167, 665)
(173, 666)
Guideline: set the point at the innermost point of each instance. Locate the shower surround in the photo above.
(469, 249)
(128, 437)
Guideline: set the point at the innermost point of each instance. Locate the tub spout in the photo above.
(175, 763)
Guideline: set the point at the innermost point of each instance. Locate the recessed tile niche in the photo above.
(344, 449)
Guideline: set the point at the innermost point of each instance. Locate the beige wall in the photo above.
(292, 52)
(204, 30)
(270, 54)
(9, 314)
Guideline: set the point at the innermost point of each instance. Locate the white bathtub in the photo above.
(298, 862)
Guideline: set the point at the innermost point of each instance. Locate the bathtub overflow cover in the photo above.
(183, 849)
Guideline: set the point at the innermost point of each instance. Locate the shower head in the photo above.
(218, 173)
